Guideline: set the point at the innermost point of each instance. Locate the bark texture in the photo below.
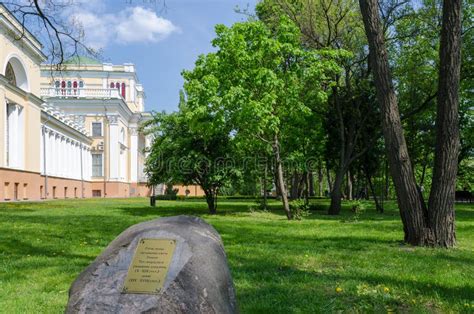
(409, 200)
(442, 196)
(433, 225)
(211, 200)
(280, 177)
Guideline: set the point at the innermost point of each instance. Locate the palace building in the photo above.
(70, 133)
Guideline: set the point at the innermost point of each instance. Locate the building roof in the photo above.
(82, 60)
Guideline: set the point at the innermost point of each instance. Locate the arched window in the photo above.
(123, 90)
(81, 84)
(57, 84)
(15, 73)
(117, 85)
(74, 85)
(63, 87)
(69, 85)
(112, 85)
(10, 74)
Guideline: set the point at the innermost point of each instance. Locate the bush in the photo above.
(358, 208)
(243, 197)
(299, 209)
(166, 197)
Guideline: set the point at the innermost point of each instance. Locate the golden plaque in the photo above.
(149, 267)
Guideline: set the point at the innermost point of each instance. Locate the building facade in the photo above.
(108, 102)
(69, 133)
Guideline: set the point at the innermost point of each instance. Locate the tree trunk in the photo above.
(410, 203)
(280, 177)
(306, 187)
(441, 201)
(320, 182)
(277, 183)
(311, 183)
(349, 185)
(211, 201)
(387, 181)
(295, 181)
(372, 190)
(302, 184)
(328, 177)
(336, 193)
(265, 187)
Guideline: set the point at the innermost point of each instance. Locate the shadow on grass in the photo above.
(318, 289)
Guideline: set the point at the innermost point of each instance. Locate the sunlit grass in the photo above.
(318, 264)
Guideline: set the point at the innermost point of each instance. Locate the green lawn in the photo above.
(319, 264)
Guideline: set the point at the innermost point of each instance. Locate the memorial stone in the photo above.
(168, 265)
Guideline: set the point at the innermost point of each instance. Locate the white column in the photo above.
(54, 154)
(61, 156)
(67, 158)
(76, 170)
(89, 163)
(42, 137)
(49, 152)
(133, 155)
(79, 153)
(21, 137)
(12, 135)
(73, 163)
(123, 164)
(114, 148)
(88, 159)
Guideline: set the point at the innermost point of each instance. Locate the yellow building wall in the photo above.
(32, 115)
(10, 47)
(2, 125)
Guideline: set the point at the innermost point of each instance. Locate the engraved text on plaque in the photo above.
(149, 267)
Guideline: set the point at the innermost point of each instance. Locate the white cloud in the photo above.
(96, 29)
(132, 25)
(141, 25)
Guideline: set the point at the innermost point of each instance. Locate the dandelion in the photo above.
(386, 290)
(338, 289)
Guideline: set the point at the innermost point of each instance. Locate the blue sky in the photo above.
(161, 43)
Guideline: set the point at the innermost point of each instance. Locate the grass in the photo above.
(319, 264)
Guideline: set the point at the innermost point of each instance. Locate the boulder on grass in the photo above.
(198, 278)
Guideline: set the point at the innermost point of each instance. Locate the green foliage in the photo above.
(169, 191)
(166, 197)
(299, 209)
(263, 88)
(189, 147)
(358, 208)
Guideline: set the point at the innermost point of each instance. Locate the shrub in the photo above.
(358, 208)
(166, 197)
(299, 209)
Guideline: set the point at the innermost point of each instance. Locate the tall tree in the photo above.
(433, 224)
(262, 77)
(189, 148)
(333, 24)
(441, 201)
